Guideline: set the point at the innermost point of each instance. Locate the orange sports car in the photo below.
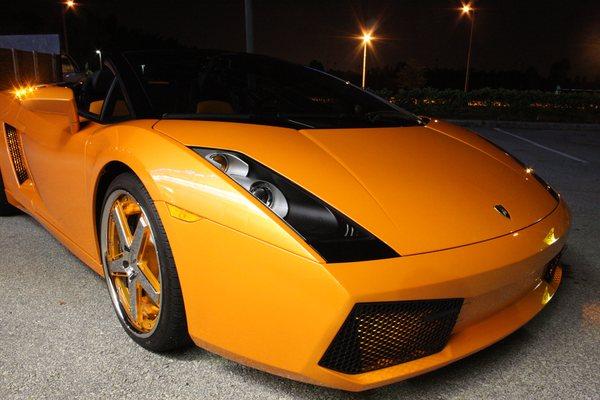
(282, 217)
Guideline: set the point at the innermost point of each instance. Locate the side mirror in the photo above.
(74, 77)
(56, 102)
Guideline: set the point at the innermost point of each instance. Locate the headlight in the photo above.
(527, 169)
(333, 235)
(542, 182)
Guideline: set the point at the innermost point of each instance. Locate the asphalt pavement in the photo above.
(60, 339)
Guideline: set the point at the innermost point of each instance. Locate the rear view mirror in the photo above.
(56, 102)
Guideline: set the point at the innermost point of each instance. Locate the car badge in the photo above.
(503, 211)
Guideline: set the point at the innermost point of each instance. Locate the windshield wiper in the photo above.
(208, 117)
(373, 117)
(308, 121)
(252, 118)
(383, 115)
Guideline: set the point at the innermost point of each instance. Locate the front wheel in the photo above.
(139, 268)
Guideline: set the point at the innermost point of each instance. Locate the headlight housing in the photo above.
(333, 235)
(527, 169)
(545, 184)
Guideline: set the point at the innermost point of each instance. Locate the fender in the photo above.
(163, 166)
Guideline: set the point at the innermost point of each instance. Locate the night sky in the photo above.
(509, 34)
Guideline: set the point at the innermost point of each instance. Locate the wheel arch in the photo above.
(105, 176)
(173, 173)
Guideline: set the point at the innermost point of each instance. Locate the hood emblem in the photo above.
(503, 211)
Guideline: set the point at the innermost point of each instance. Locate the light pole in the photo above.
(470, 12)
(249, 26)
(68, 5)
(366, 38)
(99, 57)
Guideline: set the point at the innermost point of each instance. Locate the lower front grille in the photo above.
(16, 154)
(379, 335)
(550, 268)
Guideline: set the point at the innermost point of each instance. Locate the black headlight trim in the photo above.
(333, 235)
(547, 186)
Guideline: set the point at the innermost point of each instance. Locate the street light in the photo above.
(367, 37)
(469, 11)
(99, 57)
(68, 5)
(249, 26)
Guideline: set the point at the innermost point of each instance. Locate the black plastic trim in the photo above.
(338, 251)
(365, 247)
(383, 334)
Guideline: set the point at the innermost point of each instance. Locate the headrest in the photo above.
(214, 107)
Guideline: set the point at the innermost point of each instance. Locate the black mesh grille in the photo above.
(14, 147)
(379, 335)
(550, 268)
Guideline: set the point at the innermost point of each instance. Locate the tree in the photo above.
(316, 64)
(559, 72)
(409, 75)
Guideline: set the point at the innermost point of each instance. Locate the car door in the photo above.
(56, 158)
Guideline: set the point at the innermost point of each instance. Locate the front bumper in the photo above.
(268, 308)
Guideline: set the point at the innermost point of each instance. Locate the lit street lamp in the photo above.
(469, 11)
(68, 5)
(99, 57)
(366, 38)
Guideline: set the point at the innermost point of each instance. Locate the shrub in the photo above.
(501, 104)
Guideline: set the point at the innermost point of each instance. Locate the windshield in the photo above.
(257, 89)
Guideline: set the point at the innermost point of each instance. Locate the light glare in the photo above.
(466, 8)
(22, 91)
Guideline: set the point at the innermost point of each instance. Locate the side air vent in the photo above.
(379, 335)
(16, 153)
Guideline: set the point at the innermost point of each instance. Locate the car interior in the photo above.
(92, 96)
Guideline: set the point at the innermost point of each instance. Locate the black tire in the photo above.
(6, 208)
(170, 332)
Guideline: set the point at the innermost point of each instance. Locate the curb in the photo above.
(557, 126)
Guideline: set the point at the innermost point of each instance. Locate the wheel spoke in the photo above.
(146, 282)
(140, 235)
(121, 226)
(117, 267)
(133, 300)
(121, 287)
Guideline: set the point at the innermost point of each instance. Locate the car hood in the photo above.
(419, 189)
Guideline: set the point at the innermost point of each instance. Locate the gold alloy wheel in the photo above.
(131, 263)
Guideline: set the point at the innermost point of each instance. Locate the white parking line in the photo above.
(542, 146)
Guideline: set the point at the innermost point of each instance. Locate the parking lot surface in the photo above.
(60, 339)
